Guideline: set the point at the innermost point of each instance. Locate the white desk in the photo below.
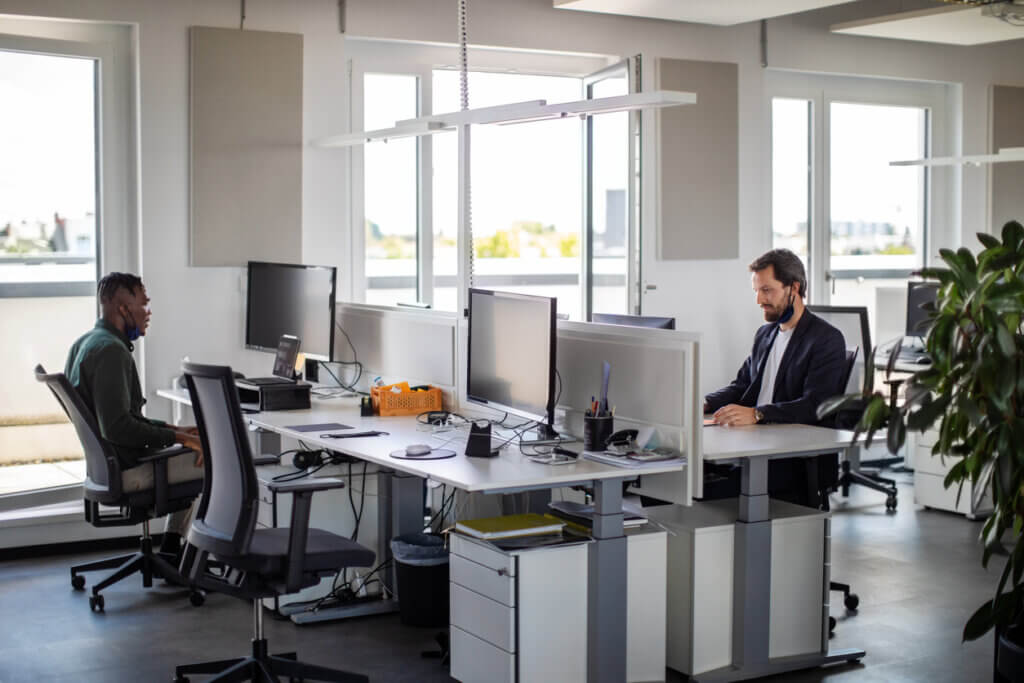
(753, 447)
(509, 472)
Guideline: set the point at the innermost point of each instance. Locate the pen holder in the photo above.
(365, 407)
(596, 431)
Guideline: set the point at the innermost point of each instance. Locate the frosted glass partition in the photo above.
(654, 381)
(400, 344)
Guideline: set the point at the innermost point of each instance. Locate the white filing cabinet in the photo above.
(522, 615)
(929, 474)
(700, 589)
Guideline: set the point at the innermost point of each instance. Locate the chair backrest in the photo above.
(102, 468)
(852, 322)
(226, 516)
(851, 361)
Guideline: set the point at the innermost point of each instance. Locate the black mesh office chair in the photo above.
(102, 486)
(260, 563)
(852, 321)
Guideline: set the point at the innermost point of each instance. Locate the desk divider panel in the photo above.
(654, 381)
(400, 344)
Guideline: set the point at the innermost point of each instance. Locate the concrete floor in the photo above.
(918, 574)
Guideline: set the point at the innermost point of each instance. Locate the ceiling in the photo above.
(719, 12)
(951, 25)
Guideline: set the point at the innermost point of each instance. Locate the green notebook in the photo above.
(509, 526)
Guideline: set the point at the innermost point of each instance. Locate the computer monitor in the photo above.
(918, 294)
(511, 354)
(290, 299)
(634, 320)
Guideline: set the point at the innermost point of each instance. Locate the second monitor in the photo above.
(511, 355)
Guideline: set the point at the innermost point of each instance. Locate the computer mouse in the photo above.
(923, 360)
(415, 449)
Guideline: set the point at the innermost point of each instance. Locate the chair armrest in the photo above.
(164, 453)
(305, 485)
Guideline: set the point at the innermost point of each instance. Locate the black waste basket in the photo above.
(421, 570)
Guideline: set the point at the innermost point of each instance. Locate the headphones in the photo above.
(305, 459)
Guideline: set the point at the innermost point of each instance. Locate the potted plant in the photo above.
(974, 392)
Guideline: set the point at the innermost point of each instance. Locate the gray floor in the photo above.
(918, 575)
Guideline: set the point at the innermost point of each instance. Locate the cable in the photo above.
(351, 386)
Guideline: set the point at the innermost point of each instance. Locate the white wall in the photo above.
(199, 311)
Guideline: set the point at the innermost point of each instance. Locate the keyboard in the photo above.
(263, 381)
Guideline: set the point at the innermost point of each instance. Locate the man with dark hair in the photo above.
(101, 368)
(798, 361)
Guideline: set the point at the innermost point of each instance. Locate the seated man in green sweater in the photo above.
(101, 368)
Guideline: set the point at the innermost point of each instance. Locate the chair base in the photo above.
(870, 480)
(265, 668)
(146, 561)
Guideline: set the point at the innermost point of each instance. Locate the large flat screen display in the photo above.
(291, 299)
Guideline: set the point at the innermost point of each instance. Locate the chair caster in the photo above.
(78, 582)
(197, 598)
(96, 603)
(831, 625)
(851, 601)
(295, 679)
(890, 504)
(180, 679)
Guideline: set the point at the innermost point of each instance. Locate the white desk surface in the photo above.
(508, 471)
(726, 443)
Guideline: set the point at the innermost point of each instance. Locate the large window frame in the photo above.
(421, 60)
(938, 188)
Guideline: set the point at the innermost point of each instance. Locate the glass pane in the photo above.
(391, 194)
(526, 188)
(791, 170)
(609, 168)
(877, 210)
(47, 235)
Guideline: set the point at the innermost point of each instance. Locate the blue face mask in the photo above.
(131, 330)
(787, 314)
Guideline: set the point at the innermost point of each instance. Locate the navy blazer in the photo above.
(811, 371)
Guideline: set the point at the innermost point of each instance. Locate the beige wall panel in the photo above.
(1007, 178)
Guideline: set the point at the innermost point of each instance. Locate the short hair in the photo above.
(109, 284)
(787, 266)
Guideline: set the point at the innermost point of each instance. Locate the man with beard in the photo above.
(798, 361)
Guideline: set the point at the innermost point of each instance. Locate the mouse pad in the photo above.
(325, 427)
(435, 454)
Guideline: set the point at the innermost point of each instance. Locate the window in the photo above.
(48, 205)
(791, 175)
(391, 192)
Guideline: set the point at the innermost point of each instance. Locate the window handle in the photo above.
(649, 287)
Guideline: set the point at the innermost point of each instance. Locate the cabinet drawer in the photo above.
(486, 581)
(927, 463)
(483, 617)
(474, 660)
(482, 553)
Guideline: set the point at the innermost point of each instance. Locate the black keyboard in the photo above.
(263, 381)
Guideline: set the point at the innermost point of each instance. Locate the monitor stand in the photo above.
(547, 436)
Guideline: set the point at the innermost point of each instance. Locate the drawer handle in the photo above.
(502, 572)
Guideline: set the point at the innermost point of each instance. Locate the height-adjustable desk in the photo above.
(752, 447)
(510, 472)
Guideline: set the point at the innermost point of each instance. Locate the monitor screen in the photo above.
(918, 294)
(511, 352)
(290, 299)
(634, 320)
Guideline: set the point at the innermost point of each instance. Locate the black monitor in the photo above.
(634, 320)
(511, 353)
(919, 294)
(293, 299)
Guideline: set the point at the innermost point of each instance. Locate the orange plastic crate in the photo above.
(387, 403)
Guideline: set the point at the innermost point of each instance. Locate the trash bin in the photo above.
(421, 572)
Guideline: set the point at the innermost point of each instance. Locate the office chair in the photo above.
(102, 486)
(852, 322)
(259, 563)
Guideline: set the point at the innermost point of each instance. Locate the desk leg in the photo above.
(752, 590)
(267, 443)
(606, 587)
(400, 511)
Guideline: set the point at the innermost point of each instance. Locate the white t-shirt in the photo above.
(771, 366)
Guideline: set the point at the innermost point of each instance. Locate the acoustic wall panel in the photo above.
(1006, 178)
(246, 146)
(698, 162)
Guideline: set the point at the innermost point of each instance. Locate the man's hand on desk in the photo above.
(734, 415)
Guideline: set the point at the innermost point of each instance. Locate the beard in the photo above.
(771, 314)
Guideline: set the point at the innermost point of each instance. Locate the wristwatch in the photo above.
(758, 416)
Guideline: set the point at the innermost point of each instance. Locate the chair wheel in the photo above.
(851, 601)
(831, 625)
(295, 679)
(890, 503)
(180, 679)
(96, 603)
(78, 582)
(196, 598)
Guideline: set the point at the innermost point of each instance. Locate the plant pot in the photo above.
(1010, 654)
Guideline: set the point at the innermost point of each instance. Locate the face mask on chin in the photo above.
(787, 314)
(131, 330)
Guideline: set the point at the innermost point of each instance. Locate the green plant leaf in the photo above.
(988, 240)
(979, 623)
(897, 433)
(1013, 234)
(1006, 342)
(956, 473)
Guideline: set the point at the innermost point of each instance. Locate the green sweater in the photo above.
(101, 368)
